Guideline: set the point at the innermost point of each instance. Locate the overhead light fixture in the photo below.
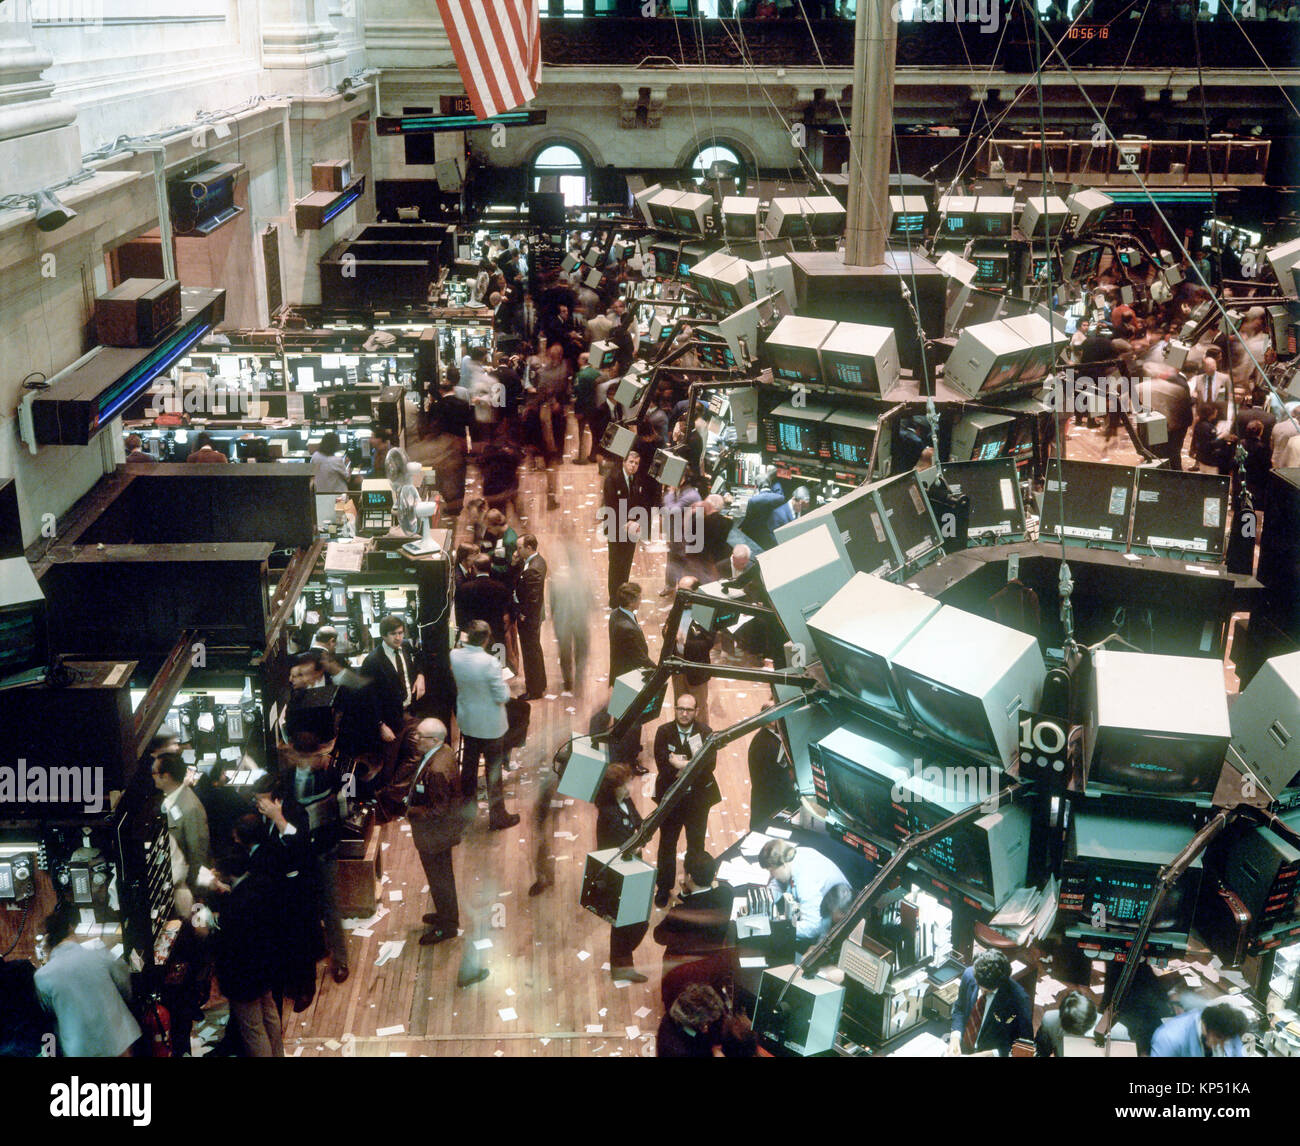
(50, 213)
(346, 85)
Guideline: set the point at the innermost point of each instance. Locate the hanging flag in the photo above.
(498, 50)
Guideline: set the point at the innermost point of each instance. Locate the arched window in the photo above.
(717, 161)
(560, 168)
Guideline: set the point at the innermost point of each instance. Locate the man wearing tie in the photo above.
(992, 1010)
(481, 696)
(395, 678)
(530, 602)
(676, 744)
(619, 526)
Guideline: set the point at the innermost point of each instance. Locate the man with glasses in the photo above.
(677, 742)
(427, 785)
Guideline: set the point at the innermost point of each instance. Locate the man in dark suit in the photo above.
(602, 416)
(619, 525)
(992, 1010)
(676, 744)
(771, 788)
(627, 643)
(530, 600)
(484, 598)
(395, 676)
(697, 924)
(245, 957)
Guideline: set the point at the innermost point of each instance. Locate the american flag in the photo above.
(498, 50)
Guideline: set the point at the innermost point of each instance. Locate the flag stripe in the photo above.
(498, 50)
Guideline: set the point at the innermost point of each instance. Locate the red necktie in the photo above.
(974, 1020)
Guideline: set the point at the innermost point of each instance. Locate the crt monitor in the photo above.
(1113, 863)
(796, 430)
(1081, 262)
(996, 507)
(666, 256)
(1088, 501)
(850, 436)
(860, 357)
(992, 268)
(23, 639)
(989, 853)
(859, 630)
(908, 517)
(964, 680)
(1181, 512)
(863, 765)
(991, 441)
(792, 347)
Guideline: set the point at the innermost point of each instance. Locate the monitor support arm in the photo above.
(1166, 880)
(817, 953)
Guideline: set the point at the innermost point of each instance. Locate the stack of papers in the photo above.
(1028, 914)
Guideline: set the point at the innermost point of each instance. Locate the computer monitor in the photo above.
(957, 216)
(1156, 724)
(1039, 262)
(702, 275)
(796, 430)
(980, 436)
(666, 255)
(799, 576)
(741, 329)
(965, 679)
(23, 635)
(740, 216)
(908, 519)
(641, 201)
(787, 218)
(1180, 513)
(996, 507)
(1112, 870)
(988, 356)
(907, 216)
(1087, 209)
(602, 355)
(799, 1014)
(768, 276)
(826, 215)
(691, 256)
(992, 268)
(860, 357)
(1088, 501)
(850, 436)
(857, 633)
(1080, 262)
(661, 209)
(993, 215)
(693, 213)
(1043, 215)
(989, 854)
(791, 349)
(861, 768)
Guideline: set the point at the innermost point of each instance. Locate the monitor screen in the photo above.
(851, 447)
(685, 220)
(1005, 370)
(22, 638)
(908, 224)
(909, 516)
(955, 225)
(794, 363)
(997, 223)
(1086, 263)
(948, 715)
(861, 676)
(728, 297)
(990, 442)
(862, 791)
(1097, 497)
(665, 260)
(744, 226)
(708, 291)
(1120, 893)
(991, 270)
(963, 855)
(1181, 511)
(1041, 263)
(791, 436)
(849, 370)
(994, 492)
(1038, 363)
(1161, 764)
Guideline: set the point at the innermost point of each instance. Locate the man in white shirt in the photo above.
(802, 877)
(87, 991)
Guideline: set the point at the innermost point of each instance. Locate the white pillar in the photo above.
(300, 47)
(39, 140)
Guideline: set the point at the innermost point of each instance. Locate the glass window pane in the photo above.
(557, 155)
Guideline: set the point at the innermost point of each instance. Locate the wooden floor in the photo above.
(549, 991)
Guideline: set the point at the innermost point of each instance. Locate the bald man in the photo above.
(426, 789)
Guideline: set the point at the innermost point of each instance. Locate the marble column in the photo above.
(39, 140)
(300, 47)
